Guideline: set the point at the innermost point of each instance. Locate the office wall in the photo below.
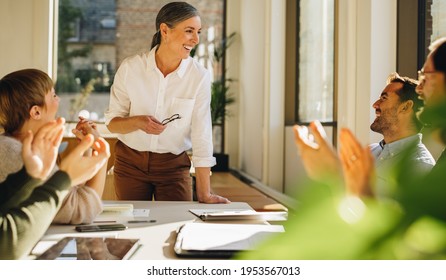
(232, 126)
(26, 35)
(260, 88)
(275, 95)
(251, 84)
(366, 54)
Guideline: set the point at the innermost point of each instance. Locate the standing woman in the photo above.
(160, 108)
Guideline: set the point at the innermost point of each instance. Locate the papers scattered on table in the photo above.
(238, 214)
(220, 240)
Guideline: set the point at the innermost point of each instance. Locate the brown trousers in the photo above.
(148, 176)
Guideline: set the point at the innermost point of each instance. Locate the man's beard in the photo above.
(384, 122)
(377, 126)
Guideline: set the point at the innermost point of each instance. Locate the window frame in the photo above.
(412, 50)
(292, 99)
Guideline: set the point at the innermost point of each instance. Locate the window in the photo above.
(310, 62)
(316, 61)
(434, 21)
(95, 36)
(420, 22)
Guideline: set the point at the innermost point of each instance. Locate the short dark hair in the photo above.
(408, 92)
(172, 14)
(438, 53)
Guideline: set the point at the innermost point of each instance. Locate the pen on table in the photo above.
(141, 221)
(104, 221)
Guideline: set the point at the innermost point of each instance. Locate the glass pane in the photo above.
(86, 57)
(95, 36)
(316, 63)
(438, 17)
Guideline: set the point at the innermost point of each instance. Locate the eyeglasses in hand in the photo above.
(171, 119)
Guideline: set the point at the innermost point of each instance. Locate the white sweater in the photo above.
(81, 205)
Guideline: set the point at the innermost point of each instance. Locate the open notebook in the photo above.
(91, 248)
(221, 240)
(238, 214)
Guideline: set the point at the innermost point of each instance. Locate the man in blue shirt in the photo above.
(396, 120)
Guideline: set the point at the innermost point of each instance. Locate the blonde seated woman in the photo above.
(28, 102)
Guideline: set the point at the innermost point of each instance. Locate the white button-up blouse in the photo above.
(139, 88)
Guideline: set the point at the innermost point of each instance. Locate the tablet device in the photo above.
(91, 248)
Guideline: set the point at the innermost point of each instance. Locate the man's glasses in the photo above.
(422, 74)
(171, 119)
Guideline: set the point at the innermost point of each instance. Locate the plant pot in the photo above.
(222, 163)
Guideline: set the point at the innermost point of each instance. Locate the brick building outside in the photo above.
(116, 29)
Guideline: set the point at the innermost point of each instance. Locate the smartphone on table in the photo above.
(94, 228)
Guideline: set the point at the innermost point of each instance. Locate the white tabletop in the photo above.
(156, 238)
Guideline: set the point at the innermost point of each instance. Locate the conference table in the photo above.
(155, 227)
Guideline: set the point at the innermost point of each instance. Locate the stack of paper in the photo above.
(203, 239)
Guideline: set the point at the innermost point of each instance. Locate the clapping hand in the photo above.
(318, 156)
(39, 152)
(85, 127)
(358, 165)
(80, 167)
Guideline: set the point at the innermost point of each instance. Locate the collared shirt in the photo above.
(387, 156)
(139, 88)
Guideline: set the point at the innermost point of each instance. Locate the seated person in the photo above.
(396, 120)
(432, 90)
(25, 218)
(27, 102)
